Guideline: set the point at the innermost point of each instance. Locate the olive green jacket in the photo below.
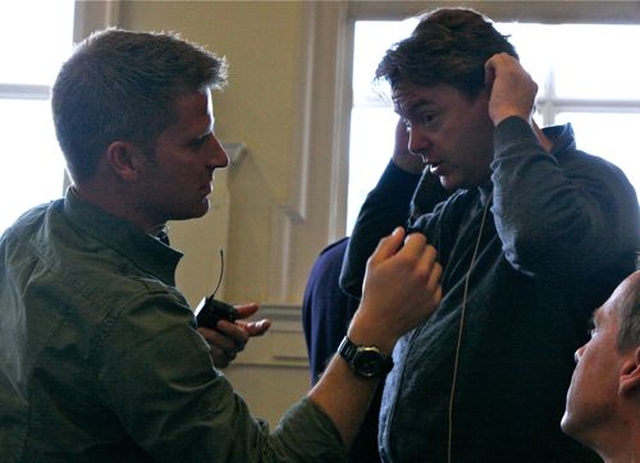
(100, 359)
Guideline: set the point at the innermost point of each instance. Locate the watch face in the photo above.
(368, 362)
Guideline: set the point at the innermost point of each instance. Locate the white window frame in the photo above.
(24, 92)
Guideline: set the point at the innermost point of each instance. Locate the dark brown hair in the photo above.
(449, 46)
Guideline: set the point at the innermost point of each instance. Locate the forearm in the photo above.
(549, 209)
(551, 203)
(533, 208)
(344, 396)
(341, 393)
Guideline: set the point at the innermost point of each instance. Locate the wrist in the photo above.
(500, 117)
(367, 331)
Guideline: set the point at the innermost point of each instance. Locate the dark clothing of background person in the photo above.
(326, 309)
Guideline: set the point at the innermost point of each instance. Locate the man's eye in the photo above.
(198, 142)
(427, 119)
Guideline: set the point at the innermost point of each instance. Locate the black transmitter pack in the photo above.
(210, 311)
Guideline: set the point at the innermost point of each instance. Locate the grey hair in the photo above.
(628, 307)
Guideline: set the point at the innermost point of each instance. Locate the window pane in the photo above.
(372, 113)
(532, 42)
(372, 40)
(609, 135)
(589, 61)
(35, 35)
(597, 62)
(32, 165)
(371, 145)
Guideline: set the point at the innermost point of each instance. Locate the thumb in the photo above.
(246, 310)
(489, 73)
(389, 245)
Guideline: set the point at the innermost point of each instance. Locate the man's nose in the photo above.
(419, 142)
(218, 156)
(578, 354)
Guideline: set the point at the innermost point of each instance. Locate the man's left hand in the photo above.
(513, 91)
(230, 338)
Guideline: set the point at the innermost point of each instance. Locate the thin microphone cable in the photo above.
(456, 361)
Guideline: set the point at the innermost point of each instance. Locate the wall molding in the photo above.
(323, 137)
(283, 345)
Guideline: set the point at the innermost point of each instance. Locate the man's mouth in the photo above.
(435, 168)
(207, 188)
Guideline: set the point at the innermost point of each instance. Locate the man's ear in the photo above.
(126, 160)
(630, 374)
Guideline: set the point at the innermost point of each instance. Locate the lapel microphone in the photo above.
(210, 310)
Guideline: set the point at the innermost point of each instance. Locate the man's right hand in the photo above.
(401, 289)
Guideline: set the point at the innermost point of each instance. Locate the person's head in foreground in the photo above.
(603, 401)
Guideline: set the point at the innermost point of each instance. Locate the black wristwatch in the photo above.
(366, 361)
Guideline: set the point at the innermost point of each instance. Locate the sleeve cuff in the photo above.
(512, 131)
(396, 179)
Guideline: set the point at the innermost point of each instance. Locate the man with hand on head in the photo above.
(100, 355)
(535, 235)
(603, 402)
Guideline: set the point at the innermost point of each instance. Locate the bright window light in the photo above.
(36, 37)
(372, 118)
